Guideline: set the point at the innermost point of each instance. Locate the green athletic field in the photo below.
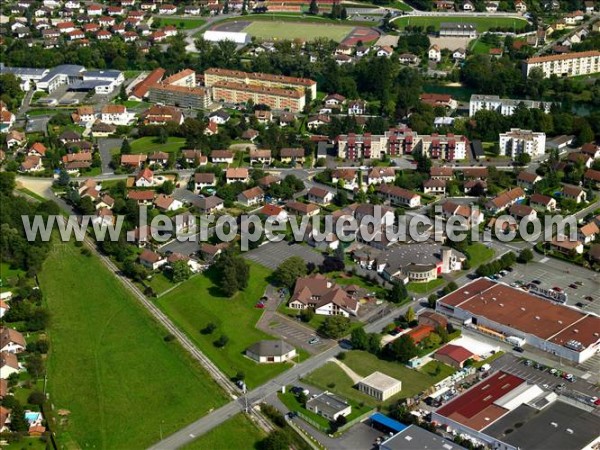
(292, 30)
(482, 23)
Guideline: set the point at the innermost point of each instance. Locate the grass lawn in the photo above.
(196, 302)
(149, 144)
(287, 30)
(8, 274)
(489, 360)
(239, 432)
(364, 363)
(479, 253)
(160, 283)
(422, 288)
(26, 443)
(482, 23)
(48, 111)
(187, 23)
(109, 364)
(479, 48)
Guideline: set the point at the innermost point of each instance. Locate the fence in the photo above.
(313, 422)
(354, 421)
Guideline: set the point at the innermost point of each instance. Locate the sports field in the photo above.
(291, 30)
(109, 365)
(482, 23)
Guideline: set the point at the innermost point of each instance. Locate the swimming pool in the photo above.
(33, 417)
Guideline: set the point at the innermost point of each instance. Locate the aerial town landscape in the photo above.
(300, 224)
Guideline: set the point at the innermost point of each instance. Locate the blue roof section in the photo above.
(386, 421)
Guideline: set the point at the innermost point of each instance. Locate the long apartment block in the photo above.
(401, 141)
(566, 65)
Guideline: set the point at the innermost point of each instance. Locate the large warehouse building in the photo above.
(502, 311)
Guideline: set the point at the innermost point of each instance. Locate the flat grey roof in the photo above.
(330, 403)
(414, 437)
(25, 71)
(547, 429)
(456, 26)
(102, 73)
(381, 381)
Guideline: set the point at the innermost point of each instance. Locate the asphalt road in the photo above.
(105, 145)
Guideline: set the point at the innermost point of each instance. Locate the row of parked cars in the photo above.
(556, 372)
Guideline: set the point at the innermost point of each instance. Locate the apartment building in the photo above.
(180, 89)
(276, 98)
(214, 75)
(401, 141)
(505, 106)
(518, 141)
(565, 65)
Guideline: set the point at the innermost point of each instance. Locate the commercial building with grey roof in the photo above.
(414, 437)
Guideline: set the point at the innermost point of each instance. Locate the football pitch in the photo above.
(481, 23)
(290, 30)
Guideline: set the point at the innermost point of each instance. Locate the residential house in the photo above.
(260, 157)
(320, 196)
(588, 232)
(542, 202)
(251, 197)
(459, 54)
(15, 139)
(104, 217)
(580, 158)
(158, 158)
(266, 181)
(475, 173)
(317, 121)
(145, 178)
(209, 205)
(472, 216)
(378, 175)
(333, 100)
(133, 160)
(347, 177)
(263, 116)
(235, 175)
(567, 247)
(520, 6)
(591, 149)
(194, 157)
(292, 155)
(152, 260)
(468, 6)
(167, 203)
(453, 355)
(11, 341)
(399, 196)
(203, 180)
(505, 200)
(141, 197)
(325, 297)
(302, 209)
(106, 201)
(157, 114)
(522, 212)
(37, 149)
(408, 58)
(527, 180)
(357, 107)
(385, 51)
(8, 365)
(219, 117)
(271, 352)
(441, 173)
(435, 187)
(591, 177)
(434, 53)
(221, 156)
(31, 164)
(279, 215)
(574, 193)
(115, 115)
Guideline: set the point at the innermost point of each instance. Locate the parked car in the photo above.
(573, 286)
(518, 349)
(589, 298)
(314, 340)
(557, 289)
(536, 281)
(579, 305)
(259, 305)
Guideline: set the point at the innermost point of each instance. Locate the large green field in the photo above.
(109, 364)
(149, 144)
(197, 302)
(290, 30)
(237, 433)
(183, 23)
(482, 23)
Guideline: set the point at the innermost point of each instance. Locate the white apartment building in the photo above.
(505, 106)
(518, 141)
(567, 65)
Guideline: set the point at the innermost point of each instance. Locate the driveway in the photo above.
(105, 145)
(272, 254)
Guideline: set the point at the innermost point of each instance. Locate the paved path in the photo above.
(351, 373)
(105, 145)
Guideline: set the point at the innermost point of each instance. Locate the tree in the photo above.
(35, 366)
(335, 327)
(163, 136)
(343, 14)
(289, 271)
(374, 344)
(398, 293)
(359, 339)
(63, 178)
(276, 440)
(523, 159)
(234, 273)
(125, 147)
(209, 328)
(525, 256)
(410, 314)
(313, 8)
(7, 182)
(306, 315)
(431, 341)
(180, 271)
(221, 342)
(432, 301)
(123, 93)
(167, 187)
(339, 253)
(18, 423)
(402, 349)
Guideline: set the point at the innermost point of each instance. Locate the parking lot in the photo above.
(543, 377)
(298, 334)
(274, 253)
(551, 273)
